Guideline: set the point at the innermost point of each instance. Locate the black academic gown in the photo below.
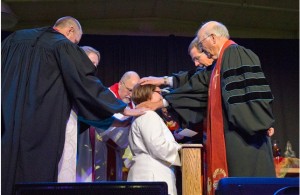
(189, 95)
(247, 114)
(43, 75)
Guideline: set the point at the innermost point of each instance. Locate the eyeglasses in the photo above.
(196, 59)
(130, 90)
(201, 42)
(159, 92)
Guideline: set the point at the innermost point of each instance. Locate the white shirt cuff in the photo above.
(170, 81)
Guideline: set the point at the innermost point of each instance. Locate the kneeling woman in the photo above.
(152, 144)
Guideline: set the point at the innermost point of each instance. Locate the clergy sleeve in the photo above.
(181, 78)
(158, 145)
(192, 94)
(246, 94)
(93, 100)
(190, 99)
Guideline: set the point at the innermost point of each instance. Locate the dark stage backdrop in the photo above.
(158, 56)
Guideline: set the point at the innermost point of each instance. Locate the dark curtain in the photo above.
(159, 56)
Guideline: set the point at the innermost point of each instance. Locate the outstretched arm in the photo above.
(135, 112)
(158, 81)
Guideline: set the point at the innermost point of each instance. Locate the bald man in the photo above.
(123, 88)
(119, 136)
(44, 73)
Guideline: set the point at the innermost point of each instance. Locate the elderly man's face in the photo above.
(125, 88)
(207, 44)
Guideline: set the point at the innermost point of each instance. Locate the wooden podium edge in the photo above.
(191, 145)
(191, 169)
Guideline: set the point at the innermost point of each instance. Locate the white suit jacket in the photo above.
(154, 151)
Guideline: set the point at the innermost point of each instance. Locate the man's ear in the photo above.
(70, 30)
(213, 36)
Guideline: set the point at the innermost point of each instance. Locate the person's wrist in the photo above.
(165, 78)
(125, 111)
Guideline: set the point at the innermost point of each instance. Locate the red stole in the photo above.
(215, 145)
(114, 89)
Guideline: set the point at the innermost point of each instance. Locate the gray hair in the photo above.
(127, 75)
(217, 28)
(88, 50)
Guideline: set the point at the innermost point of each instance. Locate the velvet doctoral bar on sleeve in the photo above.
(247, 113)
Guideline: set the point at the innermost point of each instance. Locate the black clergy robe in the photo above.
(43, 75)
(247, 114)
(247, 111)
(189, 96)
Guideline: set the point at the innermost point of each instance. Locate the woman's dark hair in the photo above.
(142, 93)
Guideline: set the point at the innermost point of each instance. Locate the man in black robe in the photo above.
(187, 98)
(43, 74)
(246, 103)
(188, 93)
